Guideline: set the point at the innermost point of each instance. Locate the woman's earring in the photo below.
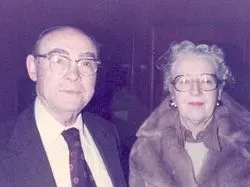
(219, 103)
(172, 103)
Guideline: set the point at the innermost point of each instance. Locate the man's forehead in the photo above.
(64, 34)
(52, 41)
(64, 52)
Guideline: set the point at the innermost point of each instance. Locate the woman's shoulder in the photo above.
(234, 133)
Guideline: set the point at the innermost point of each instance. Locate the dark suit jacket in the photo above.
(24, 162)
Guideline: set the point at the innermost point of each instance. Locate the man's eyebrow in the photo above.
(82, 54)
(88, 55)
(57, 50)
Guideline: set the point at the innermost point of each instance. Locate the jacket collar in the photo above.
(209, 136)
(164, 117)
(26, 150)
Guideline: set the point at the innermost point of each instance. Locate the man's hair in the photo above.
(50, 30)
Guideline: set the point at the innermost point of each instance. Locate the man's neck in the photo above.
(66, 118)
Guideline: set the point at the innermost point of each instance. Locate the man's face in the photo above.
(69, 92)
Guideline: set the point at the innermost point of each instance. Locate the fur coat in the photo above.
(158, 157)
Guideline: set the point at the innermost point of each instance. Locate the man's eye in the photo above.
(59, 60)
(86, 63)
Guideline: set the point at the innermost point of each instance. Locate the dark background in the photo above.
(132, 34)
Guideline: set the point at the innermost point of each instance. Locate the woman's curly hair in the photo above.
(212, 52)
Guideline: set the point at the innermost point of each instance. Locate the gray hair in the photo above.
(216, 54)
(59, 28)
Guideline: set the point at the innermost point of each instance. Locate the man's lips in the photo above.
(196, 103)
(71, 91)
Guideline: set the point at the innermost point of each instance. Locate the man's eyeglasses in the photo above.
(61, 63)
(207, 82)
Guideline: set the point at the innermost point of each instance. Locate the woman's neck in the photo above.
(195, 126)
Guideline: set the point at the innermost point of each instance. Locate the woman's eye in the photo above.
(207, 81)
(184, 81)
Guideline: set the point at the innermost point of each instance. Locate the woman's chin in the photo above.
(196, 120)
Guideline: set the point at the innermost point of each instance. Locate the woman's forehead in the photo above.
(193, 64)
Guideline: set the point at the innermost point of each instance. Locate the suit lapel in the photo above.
(105, 144)
(30, 160)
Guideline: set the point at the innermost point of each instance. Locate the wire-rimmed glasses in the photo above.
(207, 82)
(61, 63)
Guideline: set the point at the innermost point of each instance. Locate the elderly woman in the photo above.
(198, 136)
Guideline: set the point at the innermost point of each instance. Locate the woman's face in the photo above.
(195, 73)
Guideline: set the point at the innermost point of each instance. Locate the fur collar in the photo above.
(159, 157)
(230, 116)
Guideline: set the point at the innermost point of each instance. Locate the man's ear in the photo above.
(31, 66)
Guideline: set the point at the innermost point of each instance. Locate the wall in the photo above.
(154, 40)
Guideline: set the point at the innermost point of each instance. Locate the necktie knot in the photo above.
(72, 138)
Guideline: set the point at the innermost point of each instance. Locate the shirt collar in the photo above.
(209, 136)
(49, 128)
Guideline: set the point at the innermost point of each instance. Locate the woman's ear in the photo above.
(171, 90)
(220, 90)
(31, 66)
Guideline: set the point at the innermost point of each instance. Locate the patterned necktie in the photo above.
(79, 171)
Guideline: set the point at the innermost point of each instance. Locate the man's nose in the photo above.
(73, 73)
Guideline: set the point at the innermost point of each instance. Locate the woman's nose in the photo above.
(196, 88)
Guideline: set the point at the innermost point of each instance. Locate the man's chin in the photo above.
(70, 106)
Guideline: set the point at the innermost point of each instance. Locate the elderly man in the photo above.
(53, 143)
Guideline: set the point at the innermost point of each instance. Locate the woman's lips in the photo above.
(196, 103)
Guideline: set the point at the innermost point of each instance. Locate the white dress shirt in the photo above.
(57, 150)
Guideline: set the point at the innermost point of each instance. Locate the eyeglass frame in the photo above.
(49, 54)
(218, 82)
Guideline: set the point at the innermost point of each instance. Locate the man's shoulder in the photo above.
(100, 126)
(94, 119)
(6, 129)
(93, 116)
(8, 126)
